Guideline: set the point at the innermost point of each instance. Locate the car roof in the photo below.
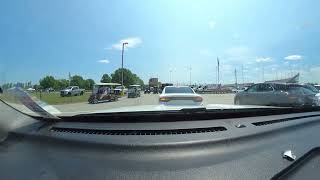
(108, 84)
(134, 85)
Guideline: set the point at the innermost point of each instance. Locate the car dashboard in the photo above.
(239, 148)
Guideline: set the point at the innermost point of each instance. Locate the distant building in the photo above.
(294, 79)
(153, 82)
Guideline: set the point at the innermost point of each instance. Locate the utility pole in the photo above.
(190, 75)
(218, 69)
(170, 76)
(242, 75)
(123, 44)
(216, 75)
(69, 78)
(236, 78)
(262, 73)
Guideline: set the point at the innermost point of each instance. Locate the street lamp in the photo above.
(123, 44)
(190, 75)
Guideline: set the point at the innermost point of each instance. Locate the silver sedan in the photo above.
(180, 95)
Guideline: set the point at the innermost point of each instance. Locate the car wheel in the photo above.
(69, 94)
(237, 101)
(81, 93)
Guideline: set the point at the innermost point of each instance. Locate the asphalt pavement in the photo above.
(145, 99)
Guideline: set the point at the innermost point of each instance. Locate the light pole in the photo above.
(170, 76)
(123, 44)
(189, 68)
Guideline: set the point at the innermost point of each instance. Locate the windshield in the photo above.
(169, 90)
(232, 53)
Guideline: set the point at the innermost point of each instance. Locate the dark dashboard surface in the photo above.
(219, 149)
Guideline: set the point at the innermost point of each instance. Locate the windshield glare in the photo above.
(111, 56)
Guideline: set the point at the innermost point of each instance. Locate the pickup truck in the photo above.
(71, 91)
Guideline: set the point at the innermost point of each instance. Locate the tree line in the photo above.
(129, 78)
(77, 80)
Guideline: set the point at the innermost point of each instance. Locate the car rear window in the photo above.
(178, 90)
(300, 90)
(311, 88)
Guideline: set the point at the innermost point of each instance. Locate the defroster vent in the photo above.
(137, 132)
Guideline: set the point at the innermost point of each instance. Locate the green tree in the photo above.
(61, 84)
(48, 82)
(105, 78)
(89, 84)
(138, 80)
(77, 81)
(7, 86)
(37, 87)
(129, 78)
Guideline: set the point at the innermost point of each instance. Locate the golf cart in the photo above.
(134, 91)
(103, 92)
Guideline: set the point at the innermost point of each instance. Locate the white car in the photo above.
(180, 95)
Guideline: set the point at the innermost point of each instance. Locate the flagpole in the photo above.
(218, 70)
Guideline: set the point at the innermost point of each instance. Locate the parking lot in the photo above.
(145, 99)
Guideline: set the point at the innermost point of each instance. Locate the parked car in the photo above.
(180, 95)
(103, 92)
(147, 91)
(31, 90)
(134, 91)
(119, 89)
(48, 90)
(71, 91)
(272, 94)
(317, 86)
(155, 90)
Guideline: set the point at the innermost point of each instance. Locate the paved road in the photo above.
(145, 99)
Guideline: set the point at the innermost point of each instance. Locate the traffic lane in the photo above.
(218, 99)
(85, 107)
(145, 99)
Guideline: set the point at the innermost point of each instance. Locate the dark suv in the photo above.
(273, 94)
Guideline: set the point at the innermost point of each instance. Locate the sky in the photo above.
(262, 40)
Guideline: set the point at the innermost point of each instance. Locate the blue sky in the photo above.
(41, 38)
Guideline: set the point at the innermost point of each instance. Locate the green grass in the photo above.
(8, 98)
(51, 98)
(55, 98)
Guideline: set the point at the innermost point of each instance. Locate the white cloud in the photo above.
(212, 24)
(132, 43)
(263, 59)
(293, 57)
(286, 63)
(104, 61)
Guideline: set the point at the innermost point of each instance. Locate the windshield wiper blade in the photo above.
(27, 100)
(193, 110)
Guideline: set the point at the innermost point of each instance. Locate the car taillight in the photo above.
(198, 99)
(164, 99)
